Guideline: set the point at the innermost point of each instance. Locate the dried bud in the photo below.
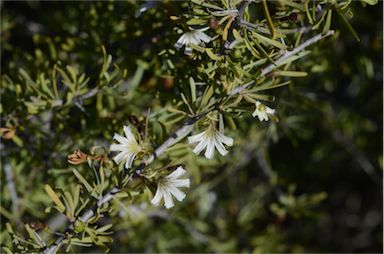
(295, 17)
(133, 120)
(213, 23)
(270, 74)
(77, 157)
(37, 225)
(168, 82)
(7, 133)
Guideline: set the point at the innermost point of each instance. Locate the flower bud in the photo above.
(77, 157)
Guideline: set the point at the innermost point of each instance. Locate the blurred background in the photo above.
(314, 186)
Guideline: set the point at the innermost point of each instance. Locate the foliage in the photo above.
(75, 74)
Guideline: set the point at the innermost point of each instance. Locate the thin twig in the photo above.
(262, 29)
(298, 49)
(242, 8)
(11, 187)
(283, 58)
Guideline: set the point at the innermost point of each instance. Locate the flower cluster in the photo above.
(208, 140)
(167, 186)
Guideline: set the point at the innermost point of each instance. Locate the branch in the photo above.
(11, 187)
(179, 134)
(262, 29)
(284, 57)
(298, 49)
(243, 6)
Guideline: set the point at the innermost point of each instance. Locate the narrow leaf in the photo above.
(193, 88)
(52, 194)
(82, 180)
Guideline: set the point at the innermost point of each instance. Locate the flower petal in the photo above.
(188, 51)
(120, 157)
(130, 159)
(220, 148)
(180, 42)
(224, 139)
(118, 147)
(205, 38)
(177, 173)
(204, 29)
(194, 39)
(210, 149)
(157, 198)
(168, 199)
(268, 110)
(200, 146)
(179, 195)
(128, 134)
(255, 113)
(262, 116)
(120, 139)
(180, 183)
(196, 138)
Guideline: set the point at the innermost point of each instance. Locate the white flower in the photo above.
(195, 37)
(168, 186)
(128, 147)
(210, 139)
(262, 111)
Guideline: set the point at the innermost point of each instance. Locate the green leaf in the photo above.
(17, 140)
(205, 4)
(193, 88)
(371, 2)
(294, 74)
(34, 236)
(44, 86)
(268, 86)
(197, 47)
(52, 194)
(104, 228)
(192, 22)
(328, 21)
(82, 180)
(207, 95)
(106, 63)
(262, 97)
(7, 250)
(267, 41)
(349, 26)
(237, 35)
(212, 55)
(70, 205)
(186, 102)
(253, 51)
